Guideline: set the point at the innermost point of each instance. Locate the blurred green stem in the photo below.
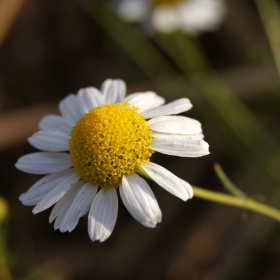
(270, 15)
(189, 56)
(241, 202)
(131, 40)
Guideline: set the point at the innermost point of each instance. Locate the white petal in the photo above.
(132, 10)
(168, 181)
(81, 106)
(113, 90)
(37, 191)
(139, 200)
(201, 15)
(180, 145)
(103, 214)
(70, 108)
(145, 101)
(56, 124)
(176, 107)
(62, 205)
(49, 141)
(175, 125)
(177, 137)
(44, 163)
(165, 18)
(90, 97)
(73, 205)
(56, 193)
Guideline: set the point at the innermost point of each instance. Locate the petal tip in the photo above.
(21, 197)
(17, 165)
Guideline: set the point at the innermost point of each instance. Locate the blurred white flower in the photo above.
(98, 145)
(191, 16)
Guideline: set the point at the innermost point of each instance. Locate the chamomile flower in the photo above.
(191, 16)
(98, 145)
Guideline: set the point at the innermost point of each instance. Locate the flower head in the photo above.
(191, 16)
(98, 145)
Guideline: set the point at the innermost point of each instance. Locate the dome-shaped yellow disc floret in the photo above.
(108, 142)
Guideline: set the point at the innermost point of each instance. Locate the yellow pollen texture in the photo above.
(108, 142)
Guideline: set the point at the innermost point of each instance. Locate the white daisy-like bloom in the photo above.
(98, 145)
(166, 16)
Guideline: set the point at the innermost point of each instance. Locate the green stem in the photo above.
(270, 15)
(227, 182)
(241, 202)
(143, 173)
(244, 203)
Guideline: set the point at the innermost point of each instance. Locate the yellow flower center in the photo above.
(165, 2)
(108, 142)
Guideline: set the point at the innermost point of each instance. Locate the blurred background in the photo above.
(49, 49)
